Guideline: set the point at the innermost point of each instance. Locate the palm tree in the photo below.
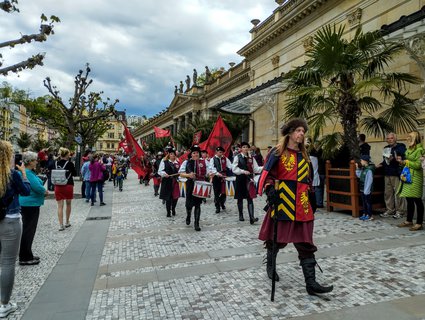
(344, 80)
(236, 124)
(24, 141)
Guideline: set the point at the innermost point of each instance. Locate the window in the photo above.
(100, 145)
(111, 135)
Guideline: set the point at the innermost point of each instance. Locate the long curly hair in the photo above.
(6, 152)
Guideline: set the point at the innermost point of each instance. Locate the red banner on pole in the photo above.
(161, 133)
(197, 138)
(220, 136)
(135, 153)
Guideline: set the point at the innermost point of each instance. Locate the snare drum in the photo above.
(182, 187)
(230, 186)
(202, 189)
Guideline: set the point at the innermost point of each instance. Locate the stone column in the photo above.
(186, 119)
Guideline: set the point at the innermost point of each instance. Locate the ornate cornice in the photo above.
(283, 19)
(229, 84)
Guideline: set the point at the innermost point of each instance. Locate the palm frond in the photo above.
(330, 144)
(402, 115)
(376, 126)
(369, 104)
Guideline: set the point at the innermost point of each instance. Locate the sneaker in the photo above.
(386, 214)
(29, 262)
(67, 225)
(102, 204)
(362, 217)
(6, 309)
(398, 215)
(61, 228)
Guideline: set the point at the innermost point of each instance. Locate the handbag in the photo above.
(405, 175)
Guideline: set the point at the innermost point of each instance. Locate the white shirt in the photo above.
(213, 169)
(238, 171)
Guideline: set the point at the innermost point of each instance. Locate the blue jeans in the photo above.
(10, 239)
(88, 190)
(318, 192)
(367, 204)
(99, 185)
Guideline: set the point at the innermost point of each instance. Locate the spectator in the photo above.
(85, 173)
(43, 158)
(395, 206)
(50, 164)
(319, 175)
(365, 173)
(65, 193)
(364, 146)
(413, 191)
(30, 210)
(11, 186)
(96, 168)
(258, 157)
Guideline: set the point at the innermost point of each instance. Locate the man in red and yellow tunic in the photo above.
(286, 180)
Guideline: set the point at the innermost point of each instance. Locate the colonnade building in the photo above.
(278, 44)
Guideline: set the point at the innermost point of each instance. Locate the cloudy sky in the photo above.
(138, 50)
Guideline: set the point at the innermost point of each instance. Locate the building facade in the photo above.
(254, 88)
(108, 143)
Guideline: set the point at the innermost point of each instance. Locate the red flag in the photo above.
(123, 145)
(219, 136)
(184, 156)
(161, 133)
(197, 137)
(135, 153)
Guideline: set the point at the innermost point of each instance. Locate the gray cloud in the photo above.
(138, 50)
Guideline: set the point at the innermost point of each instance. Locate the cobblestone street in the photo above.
(154, 267)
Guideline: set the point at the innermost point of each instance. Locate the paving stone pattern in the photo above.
(177, 273)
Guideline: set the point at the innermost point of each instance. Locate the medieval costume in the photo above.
(286, 179)
(168, 169)
(244, 167)
(194, 169)
(218, 168)
(156, 176)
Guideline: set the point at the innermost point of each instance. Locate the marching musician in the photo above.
(218, 167)
(205, 156)
(289, 203)
(244, 167)
(156, 176)
(168, 170)
(194, 169)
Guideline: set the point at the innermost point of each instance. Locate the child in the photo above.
(120, 175)
(366, 184)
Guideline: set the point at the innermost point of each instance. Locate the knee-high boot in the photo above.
(189, 213)
(168, 206)
(223, 201)
(156, 188)
(173, 207)
(240, 209)
(217, 204)
(197, 217)
(251, 213)
(312, 287)
(270, 258)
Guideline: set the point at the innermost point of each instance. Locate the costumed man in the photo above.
(244, 167)
(288, 204)
(147, 167)
(194, 169)
(168, 170)
(156, 176)
(218, 168)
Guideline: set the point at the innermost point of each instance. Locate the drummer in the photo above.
(244, 166)
(168, 170)
(218, 167)
(194, 169)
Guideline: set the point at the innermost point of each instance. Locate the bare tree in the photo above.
(82, 110)
(46, 29)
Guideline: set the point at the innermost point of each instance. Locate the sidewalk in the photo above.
(139, 264)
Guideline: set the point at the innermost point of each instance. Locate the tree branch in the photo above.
(30, 63)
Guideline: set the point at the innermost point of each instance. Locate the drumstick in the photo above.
(174, 174)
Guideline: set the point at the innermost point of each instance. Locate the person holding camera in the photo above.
(12, 184)
(30, 209)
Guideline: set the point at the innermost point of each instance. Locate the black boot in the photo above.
(197, 217)
(189, 213)
(313, 288)
(251, 213)
(270, 264)
(240, 209)
(173, 207)
(222, 202)
(155, 188)
(168, 206)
